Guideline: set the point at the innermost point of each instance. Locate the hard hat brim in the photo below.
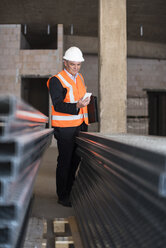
(74, 60)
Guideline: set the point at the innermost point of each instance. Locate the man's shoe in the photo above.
(65, 202)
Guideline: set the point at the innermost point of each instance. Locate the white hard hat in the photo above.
(73, 54)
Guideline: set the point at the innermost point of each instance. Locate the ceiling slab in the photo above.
(151, 15)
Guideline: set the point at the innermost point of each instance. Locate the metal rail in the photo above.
(119, 194)
(17, 126)
(23, 140)
(17, 116)
(13, 108)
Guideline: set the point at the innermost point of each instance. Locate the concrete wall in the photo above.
(142, 73)
(15, 63)
(39, 62)
(90, 72)
(145, 73)
(24, 42)
(9, 58)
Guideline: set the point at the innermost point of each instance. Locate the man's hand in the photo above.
(82, 103)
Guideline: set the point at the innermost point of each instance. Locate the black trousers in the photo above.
(68, 160)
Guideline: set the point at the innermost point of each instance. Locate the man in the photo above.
(69, 116)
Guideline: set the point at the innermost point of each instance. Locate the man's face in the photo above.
(72, 67)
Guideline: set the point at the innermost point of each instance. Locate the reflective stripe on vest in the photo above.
(70, 87)
(69, 118)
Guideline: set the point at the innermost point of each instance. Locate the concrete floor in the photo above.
(45, 202)
(45, 206)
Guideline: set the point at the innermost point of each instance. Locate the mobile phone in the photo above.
(87, 95)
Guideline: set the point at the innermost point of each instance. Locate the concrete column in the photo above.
(60, 46)
(112, 65)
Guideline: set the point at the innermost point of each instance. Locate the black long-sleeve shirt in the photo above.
(58, 94)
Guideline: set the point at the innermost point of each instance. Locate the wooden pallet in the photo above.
(44, 241)
(64, 241)
(36, 233)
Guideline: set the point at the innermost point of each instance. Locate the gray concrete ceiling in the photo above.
(151, 14)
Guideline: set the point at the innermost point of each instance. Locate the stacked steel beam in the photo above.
(119, 194)
(23, 139)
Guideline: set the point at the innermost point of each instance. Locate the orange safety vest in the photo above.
(75, 91)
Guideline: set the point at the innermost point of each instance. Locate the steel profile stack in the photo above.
(119, 195)
(23, 139)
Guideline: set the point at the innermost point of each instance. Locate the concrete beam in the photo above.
(86, 44)
(138, 49)
(143, 49)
